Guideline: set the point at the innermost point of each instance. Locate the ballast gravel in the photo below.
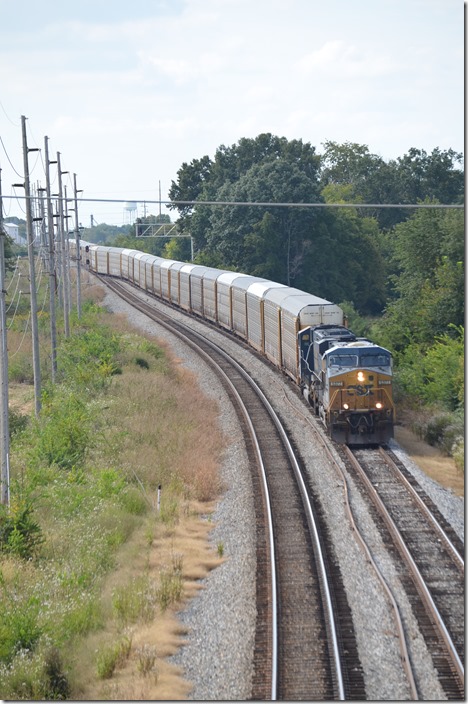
(217, 658)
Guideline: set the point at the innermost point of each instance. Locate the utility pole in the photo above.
(4, 420)
(64, 286)
(52, 274)
(78, 251)
(66, 243)
(32, 272)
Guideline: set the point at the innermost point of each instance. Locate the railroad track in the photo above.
(429, 555)
(304, 644)
(442, 563)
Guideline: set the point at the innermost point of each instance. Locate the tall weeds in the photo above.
(85, 475)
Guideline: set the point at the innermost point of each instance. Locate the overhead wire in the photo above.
(8, 157)
(15, 124)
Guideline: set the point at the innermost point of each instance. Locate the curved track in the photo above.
(300, 653)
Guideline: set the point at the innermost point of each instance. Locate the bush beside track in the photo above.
(121, 422)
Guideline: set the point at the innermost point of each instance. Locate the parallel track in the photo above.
(300, 653)
(431, 564)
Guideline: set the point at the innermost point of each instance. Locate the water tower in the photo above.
(130, 211)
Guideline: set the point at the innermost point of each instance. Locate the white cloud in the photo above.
(339, 59)
(127, 98)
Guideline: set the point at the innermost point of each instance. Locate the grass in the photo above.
(105, 560)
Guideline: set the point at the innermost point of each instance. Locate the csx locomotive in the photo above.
(347, 380)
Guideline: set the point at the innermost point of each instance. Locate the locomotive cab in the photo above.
(348, 381)
(357, 403)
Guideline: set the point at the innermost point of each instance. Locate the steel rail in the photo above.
(404, 654)
(326, 593)
(424, 508)
(253, 434)
(313, 528)
(308, 508)
(422, 587)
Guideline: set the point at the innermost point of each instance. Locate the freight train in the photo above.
(346, 379)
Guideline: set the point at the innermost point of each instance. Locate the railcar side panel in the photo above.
(166, 279)
(289, 354)
(138, 269)
(115, 257)
(196, 288)
(157, 287)
(224, 297)
(240, 286)
(101, 261)
(174, 274)
(255, 312)
(185, 299)
(93, 258)
(210, 304)
(272, 332)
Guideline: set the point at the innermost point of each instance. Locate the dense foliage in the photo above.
(397, 272)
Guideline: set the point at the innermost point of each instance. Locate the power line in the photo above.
(7, 156)
(265, 204)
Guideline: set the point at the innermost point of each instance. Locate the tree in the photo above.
(408, 179)
(244, 235)
(434, 176)
(429, 285)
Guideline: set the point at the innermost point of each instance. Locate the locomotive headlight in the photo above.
(379, 405)
(345, 406)
(360, 376)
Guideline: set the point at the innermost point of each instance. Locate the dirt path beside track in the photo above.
(435, 464)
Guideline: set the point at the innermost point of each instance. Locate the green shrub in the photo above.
(134, 601)
(17, 422)
(56, 683)
(436, 428)
(133, 501)
(87, 359)
(20, 370)
(20, 534)
(63, 432)
(19, 629)
(110, 657)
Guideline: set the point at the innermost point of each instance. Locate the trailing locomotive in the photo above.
(347, 380)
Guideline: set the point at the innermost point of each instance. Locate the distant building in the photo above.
(13, 231)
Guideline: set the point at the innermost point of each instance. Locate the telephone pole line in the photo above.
(52, 272)
(32, 272)
(4, 420)
(64, 284)
(78, 252)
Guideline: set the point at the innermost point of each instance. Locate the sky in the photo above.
(128, 92)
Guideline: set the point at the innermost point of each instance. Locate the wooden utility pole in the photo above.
(64, 284)
(78, 252)
(52, 273)
(66, 242)
(32, 272)
(4, 421)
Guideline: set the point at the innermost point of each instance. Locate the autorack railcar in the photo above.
(347, 380)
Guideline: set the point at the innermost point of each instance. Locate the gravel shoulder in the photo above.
(221, 618)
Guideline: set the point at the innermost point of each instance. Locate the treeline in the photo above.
(398, 272)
